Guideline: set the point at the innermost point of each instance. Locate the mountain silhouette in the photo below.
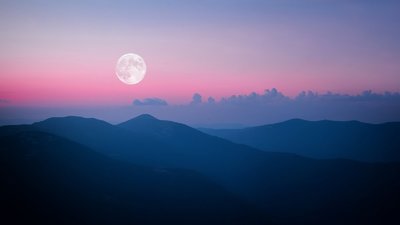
(286, 188)
(105, 138)
(322, 139)
(163, 129)
(47, 179)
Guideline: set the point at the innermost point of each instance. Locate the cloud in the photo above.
(269, 106)
(273, 106)
(274, 96)
(211, 100)
(268, 96)
(196, 99)
(365, 96)
(150, 102)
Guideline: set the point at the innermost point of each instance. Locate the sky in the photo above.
(62, 54)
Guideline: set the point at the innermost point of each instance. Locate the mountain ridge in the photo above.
(56, 179)
(322, 139)
(284, 186)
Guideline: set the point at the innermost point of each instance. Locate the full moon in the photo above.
(130, 68)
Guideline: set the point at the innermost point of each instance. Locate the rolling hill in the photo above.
(286, 188)
(322, 139)
(47, 179)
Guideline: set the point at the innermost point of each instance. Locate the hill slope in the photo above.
(322, 139)
(289, 189)
(50, 180)
(282, 184)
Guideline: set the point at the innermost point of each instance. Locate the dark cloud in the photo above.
(367, 95)
(255, 98)
(196, 99)
(274, 95)
(150, 102)
(211, 100)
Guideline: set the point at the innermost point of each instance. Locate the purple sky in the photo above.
(62, 55)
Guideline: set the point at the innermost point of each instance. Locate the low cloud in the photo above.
(150, 102)
(367, 96)
(268, 96)
(273, 106)
(269, 106)
(196, 99)
(211, 100)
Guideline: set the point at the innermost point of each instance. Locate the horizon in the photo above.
(269, 107)
(198, 126)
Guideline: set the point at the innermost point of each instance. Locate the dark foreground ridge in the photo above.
(75, 170)
(51, 180)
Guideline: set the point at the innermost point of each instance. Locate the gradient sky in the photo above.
(63, 53)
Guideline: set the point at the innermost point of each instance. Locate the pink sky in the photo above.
(66, 54)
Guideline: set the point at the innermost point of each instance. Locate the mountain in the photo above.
(286, 188)
(107, 139)
(281, 184)
(47, 179)
(322, 139)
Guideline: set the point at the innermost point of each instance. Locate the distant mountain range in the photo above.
(322, 139)
(75, 170)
